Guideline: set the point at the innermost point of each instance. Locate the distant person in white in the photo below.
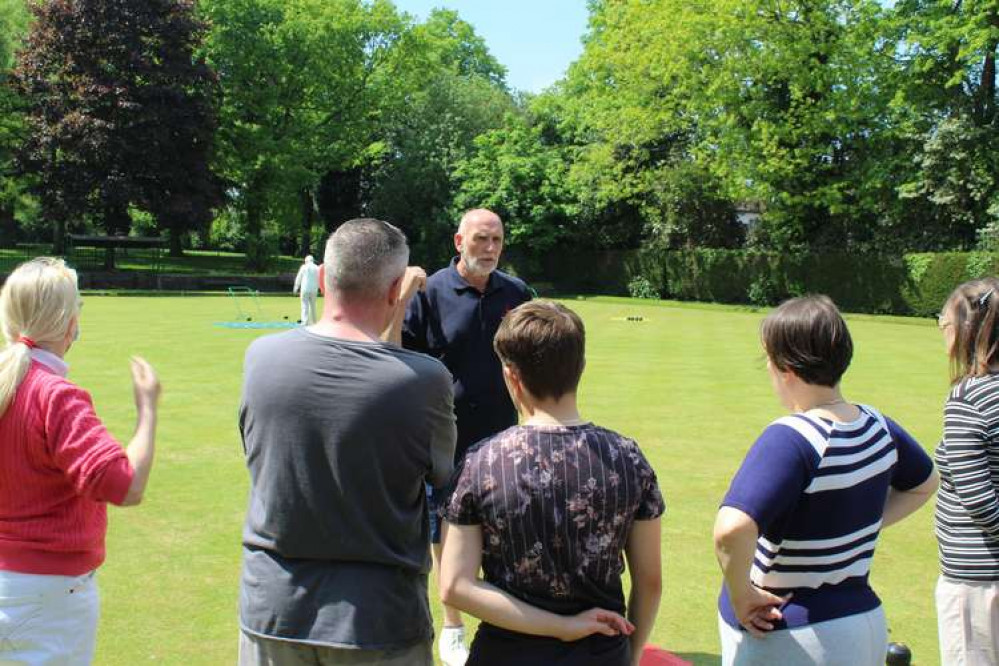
(307, 285)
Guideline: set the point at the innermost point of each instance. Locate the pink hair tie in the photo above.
(27, 342)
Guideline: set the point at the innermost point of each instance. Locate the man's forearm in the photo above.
(393, 334)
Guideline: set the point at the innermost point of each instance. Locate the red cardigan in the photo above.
(59, 466)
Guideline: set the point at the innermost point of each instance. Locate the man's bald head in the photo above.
(478, 215)
(479, 241)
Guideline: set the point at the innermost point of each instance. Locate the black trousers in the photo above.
(498, 647)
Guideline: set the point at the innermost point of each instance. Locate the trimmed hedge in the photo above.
(913, 284)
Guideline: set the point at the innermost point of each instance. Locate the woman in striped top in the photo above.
(967, 517)
(796, 532)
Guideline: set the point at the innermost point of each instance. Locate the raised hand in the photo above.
(145, 384)
(414, 279)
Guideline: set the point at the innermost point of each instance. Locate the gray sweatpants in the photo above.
(260, 651)
(855, 640)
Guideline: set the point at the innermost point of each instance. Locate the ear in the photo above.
(458, 242)
(395, 290)
(512, 379)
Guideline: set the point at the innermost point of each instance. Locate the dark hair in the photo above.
(973, 309)
(545, 342)
(807, 336)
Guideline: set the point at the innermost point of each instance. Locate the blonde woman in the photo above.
(59, 467)
(967, 516)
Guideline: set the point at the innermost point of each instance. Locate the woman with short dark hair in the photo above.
(549, 510)
(967, 515)
(796, 532)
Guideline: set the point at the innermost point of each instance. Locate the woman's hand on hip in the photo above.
(756, 609)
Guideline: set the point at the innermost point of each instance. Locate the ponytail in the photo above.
(14, 363)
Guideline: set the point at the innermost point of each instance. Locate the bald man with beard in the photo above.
(455, 319)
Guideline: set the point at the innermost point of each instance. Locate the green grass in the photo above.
(688, 383)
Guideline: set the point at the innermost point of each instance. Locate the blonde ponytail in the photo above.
(38, 302)
(14, 363)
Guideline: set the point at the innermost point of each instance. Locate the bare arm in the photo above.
(142, 446)
(462, 588)
(901, 503)
(413, 280)
(735, 546)
(643, 552)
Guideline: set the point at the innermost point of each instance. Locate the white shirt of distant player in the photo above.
(307, 280)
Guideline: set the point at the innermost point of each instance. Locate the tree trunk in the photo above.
(59, 236)
(176, 241)
(117, 221)
(308, 211)
(257, 254)
(8, 225)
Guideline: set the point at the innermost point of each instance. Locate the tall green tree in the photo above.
(119, 113)
(457, 93)
(949, 107)
(786, 103)
(304, 83)
(14, 20)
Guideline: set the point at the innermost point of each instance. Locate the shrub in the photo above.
(640, 287)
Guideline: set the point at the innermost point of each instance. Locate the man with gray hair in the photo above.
(341, 432)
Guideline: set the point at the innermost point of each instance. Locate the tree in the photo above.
(14, 19)
(784, 103)
(949, 108)
(516, 175)
(119, 113)
(304, 83)
(457, 93)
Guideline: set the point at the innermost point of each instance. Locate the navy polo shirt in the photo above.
(453, 321)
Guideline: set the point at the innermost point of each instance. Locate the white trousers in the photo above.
(48, 620)
(855, 640)
(968, 622)
(309, 314)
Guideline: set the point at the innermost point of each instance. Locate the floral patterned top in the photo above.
(556, 505)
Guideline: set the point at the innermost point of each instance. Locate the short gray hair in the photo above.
(364, 256)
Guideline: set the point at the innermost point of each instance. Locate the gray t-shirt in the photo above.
(340, 437)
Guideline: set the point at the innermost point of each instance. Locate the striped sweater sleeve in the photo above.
(966, 451)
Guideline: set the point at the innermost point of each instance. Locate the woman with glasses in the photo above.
(967, 515)
(59, 468)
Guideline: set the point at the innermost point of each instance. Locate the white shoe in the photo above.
(451, 646)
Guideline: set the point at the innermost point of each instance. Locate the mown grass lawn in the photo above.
(688, 382)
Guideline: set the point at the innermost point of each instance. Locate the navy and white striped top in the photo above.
(817, 490)
(967, 516)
